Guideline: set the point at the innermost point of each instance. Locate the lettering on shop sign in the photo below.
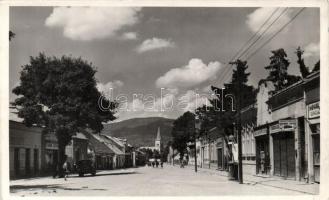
(260, 132)
(313, 110)
(283, 125)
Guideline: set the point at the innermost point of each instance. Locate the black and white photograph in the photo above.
(163, 101)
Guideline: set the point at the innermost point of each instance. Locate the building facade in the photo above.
(248, 123)
(77, 149)
(25, 147)
(312, 125)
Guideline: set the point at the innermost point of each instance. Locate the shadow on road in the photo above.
(106, 174)
(54, 187)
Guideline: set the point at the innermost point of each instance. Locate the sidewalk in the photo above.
(274, 181)
(45, 179)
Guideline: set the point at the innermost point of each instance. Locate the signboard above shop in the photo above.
(283, 126)
(313, 110)
(260, 132)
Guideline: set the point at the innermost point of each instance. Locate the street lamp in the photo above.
(197, 127)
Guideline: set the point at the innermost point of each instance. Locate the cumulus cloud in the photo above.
(108, 87)
(129, 36)
(256, 19)
(194, 73)
(312, 49)
(192, 100)
(88, 23)
(154, 43)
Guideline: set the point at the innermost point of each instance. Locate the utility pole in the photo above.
(195, 157)
(239, 83)
(197, 125)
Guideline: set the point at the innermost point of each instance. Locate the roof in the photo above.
(22, 126)
(213, 134)
(312, 76)
(286, 89)
(109, 143)
(117, 141)
(80, 136)
(97, 144)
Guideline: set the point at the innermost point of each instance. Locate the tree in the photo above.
(60, 95)
(11, 35)
(302, 67)
(278, 70)
(222, 112)
(165, 152)
(239, 86)
(316, 66)
(183, 132)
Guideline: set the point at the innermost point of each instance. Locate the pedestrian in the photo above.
(161, 163)
(153, 164)
(55, 169)
(157, 163)
(66, 169)
(181, 163)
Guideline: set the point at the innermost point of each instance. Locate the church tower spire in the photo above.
(158, 140)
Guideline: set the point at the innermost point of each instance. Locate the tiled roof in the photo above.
(97, 144)
(108, 140)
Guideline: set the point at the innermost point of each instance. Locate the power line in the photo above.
(284, 26)
(252, 37)
(275, 34)
(263, 33)
(255, 34)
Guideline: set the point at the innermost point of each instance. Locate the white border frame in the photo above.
(4, 86)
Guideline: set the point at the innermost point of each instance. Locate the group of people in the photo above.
(155, 163)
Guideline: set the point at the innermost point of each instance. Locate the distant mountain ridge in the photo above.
(141, 131)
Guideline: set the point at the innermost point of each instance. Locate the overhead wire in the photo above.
(275, 34)
(226, 69)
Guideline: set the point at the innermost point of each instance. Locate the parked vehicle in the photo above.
(86, 167)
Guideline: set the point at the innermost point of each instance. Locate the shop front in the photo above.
(263, 166)
(221, 158)
(313, 114)
(312, 127)
(283, 135)
(50, 152)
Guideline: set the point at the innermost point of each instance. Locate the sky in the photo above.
(155, 61)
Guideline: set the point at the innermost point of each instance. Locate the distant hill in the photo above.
(141, 131)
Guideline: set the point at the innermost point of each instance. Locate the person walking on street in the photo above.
(66, 169)
(55, 169)
(161, 163)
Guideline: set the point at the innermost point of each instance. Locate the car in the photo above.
(85, 167)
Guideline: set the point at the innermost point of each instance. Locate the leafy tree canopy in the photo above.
(183, 131)
(60, 95)
(278, 70)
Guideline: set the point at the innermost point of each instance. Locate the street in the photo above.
(144, 181)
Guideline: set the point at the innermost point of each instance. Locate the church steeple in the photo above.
(158, 140)
(158, 135)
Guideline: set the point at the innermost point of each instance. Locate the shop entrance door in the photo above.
(316, 157)
(220, 158)
(284, 154)
(262, 155)
(16, 161)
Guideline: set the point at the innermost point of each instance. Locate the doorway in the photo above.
(284, 154)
